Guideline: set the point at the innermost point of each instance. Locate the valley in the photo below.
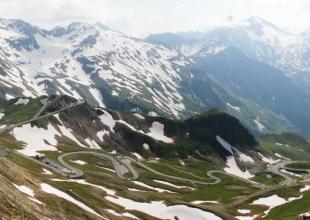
(134, 186)
(197, 125)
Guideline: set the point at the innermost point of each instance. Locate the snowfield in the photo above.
(28, 191)
(45, 142)
(69, 61)
(273, 201)
(231, 164)
(232, 168)
(162, 211)
(157, 132)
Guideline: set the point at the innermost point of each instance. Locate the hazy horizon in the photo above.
(139, 18)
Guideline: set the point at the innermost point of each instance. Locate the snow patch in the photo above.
(52, 190)
(232, 168)
(162, 211)
(80, 162)
(260, 127)
(22, 101)
(46, 172)
(233, 107)
(27, 191)
(44, 141)
(138, 156)
(151, 187)
(198, 202)
(157, 132)
(273, 201)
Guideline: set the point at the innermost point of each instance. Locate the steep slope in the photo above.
(246, 58)
(111, 69)
(289, 145)
(260, 83)
(97, 128)
(92, 62)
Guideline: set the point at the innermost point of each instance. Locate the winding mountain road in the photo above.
(123, 164)
(276, 169)
(10, 127)
(121, 167)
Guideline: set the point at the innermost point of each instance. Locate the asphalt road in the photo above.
(216, 179)
(10, 127)
(276, 169)
(124, 164)
(121, 167)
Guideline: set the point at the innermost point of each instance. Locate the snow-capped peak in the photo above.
(89, 61)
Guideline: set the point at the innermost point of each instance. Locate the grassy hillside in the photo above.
(289, 145)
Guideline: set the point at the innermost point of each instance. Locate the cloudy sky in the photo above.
(141, 17)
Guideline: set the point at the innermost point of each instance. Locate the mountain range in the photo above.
(174, 75)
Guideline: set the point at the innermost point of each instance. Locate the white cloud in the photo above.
(140, 17)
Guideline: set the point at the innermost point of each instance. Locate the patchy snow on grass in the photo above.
(268, 160)
(105, 168)
(113, 212)
(146, 146)
(129, 215)
(279, 155)
(151, 187)
(83, 182)
(46, 172)
(273, 201)
(138, 156)
(172, 185)
(141, 117)
(198, 202)
(22, 101)
(162, 211)
(52, 190)
(232, 168)
(304, 189)
(80, 162)
(26, 190)
(44, 139)
(244, 211)
(157, 132)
